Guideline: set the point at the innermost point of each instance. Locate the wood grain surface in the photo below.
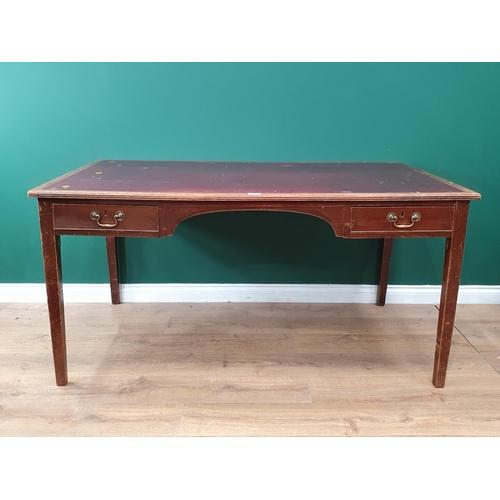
(249, 370)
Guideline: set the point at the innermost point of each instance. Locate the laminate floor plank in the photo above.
(481, 327)
(249, 370)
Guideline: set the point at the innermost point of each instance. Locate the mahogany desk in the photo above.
(149, 199)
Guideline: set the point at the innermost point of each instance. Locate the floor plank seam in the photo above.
(472, 345)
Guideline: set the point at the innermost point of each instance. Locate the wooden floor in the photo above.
(249, 370)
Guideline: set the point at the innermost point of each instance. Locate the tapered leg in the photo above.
(53, 280)
(113, 269)
(384, 271)
(449, 293)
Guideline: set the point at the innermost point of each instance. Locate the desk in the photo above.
(148, 199)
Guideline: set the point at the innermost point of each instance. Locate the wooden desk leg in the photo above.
(53, 281)
(384, 271)
(113, 269)
(449, 293)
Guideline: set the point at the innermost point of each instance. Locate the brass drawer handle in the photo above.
(119, 216)
(392, 217)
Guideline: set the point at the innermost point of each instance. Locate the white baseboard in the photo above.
(196, 292)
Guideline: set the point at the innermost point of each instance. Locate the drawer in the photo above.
(106, 217)
(402, 219)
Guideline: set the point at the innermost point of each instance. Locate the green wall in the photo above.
(442, 118)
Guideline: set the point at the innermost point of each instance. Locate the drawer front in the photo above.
(402, 219)
(105, 217)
